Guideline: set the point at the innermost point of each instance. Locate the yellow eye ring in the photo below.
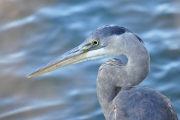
(95, 42)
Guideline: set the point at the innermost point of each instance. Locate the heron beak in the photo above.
(75, 55)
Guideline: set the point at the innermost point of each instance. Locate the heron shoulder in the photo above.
(141, 104)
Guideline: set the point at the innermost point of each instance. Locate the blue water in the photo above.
(35, 32)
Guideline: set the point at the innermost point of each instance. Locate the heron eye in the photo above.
(95, 42)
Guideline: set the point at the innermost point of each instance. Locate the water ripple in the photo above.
(34, 32)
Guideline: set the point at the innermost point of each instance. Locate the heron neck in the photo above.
(138, 64)
(113, 74)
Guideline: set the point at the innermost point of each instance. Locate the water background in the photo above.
(35, 32)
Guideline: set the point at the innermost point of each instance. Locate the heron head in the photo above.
(104, 41)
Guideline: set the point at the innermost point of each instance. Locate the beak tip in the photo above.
(28, 76)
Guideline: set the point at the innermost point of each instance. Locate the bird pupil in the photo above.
(95, 42)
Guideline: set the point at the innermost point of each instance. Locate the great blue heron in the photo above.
(118, 98)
